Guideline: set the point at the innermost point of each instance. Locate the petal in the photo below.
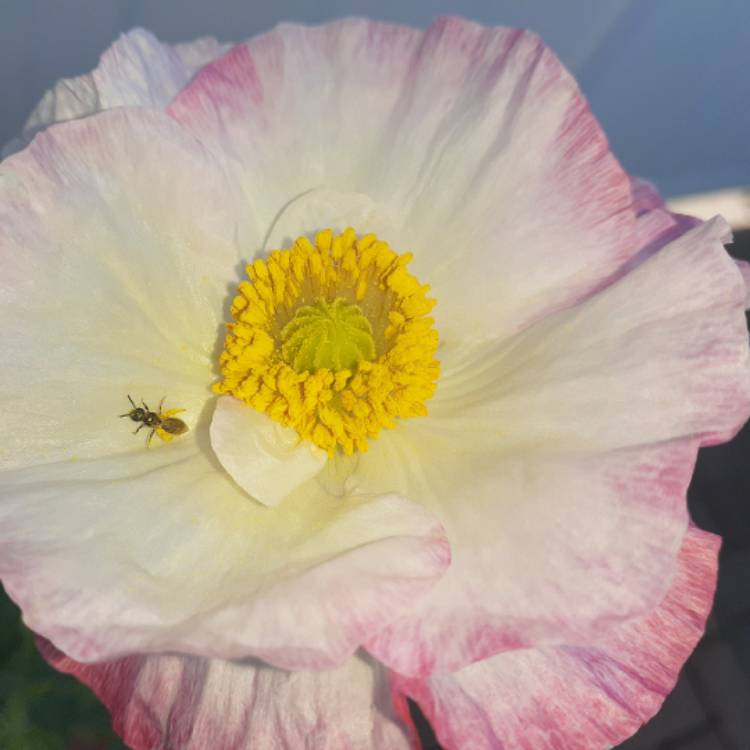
(578, 698)
(176, 702)
(474, 140)
(669, 367)
(641, 361)
(744, 267)
(115, 268)
(140, 71)
(546, 548)
(656, 226)
(196, 53)
(323, 208)
(267, 460)
(160, 551)
(136, 71)
(645, 196)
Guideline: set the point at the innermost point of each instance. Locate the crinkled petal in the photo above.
(136, 71)
(546, 548)
(656, 226)
(164, 553)
(176, 702)
(566, 414)
(267, 460)
(589, 697)
(464, 135)
(115, 266)
(139, 70)
(641, 361)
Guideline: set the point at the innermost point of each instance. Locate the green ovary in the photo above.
(332, 335)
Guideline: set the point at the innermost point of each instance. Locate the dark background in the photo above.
(670, 82)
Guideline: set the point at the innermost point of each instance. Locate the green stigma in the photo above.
(327, 335)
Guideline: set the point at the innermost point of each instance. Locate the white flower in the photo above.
(520, 559)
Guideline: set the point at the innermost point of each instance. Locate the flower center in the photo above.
(332, 339)
(334, 335)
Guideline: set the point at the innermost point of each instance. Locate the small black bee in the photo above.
(163, 423)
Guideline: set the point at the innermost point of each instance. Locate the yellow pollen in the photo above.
(332, 338)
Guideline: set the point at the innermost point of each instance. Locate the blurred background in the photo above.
(670, 82)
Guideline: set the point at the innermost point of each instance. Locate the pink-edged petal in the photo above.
(175, 702)
(136, 71)
(645, 196)
(656, 226)
(115, 261)
(464, 135)
(140, 71)
(641, 361)
(267, 460)
(111, 548)
(161, 551)
(667, 371)
(517, 171)
(400, 705)
(546, 549)
(577, 697)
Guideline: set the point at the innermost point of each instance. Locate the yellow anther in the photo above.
(331, 338)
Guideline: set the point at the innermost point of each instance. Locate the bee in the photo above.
(163, 423)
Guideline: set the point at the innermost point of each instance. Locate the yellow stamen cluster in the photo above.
(309, 309)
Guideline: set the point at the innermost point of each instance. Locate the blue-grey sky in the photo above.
(669, 79)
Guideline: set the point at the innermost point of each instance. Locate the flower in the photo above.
(503, 539)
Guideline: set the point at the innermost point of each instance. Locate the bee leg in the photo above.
(132, 402)
(124, 415)
(145, 405)
(140, 427)
(161, 403)
(149, 438)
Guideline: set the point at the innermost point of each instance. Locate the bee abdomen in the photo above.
(173, 426)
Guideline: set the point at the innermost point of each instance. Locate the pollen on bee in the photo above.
(162, 423)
